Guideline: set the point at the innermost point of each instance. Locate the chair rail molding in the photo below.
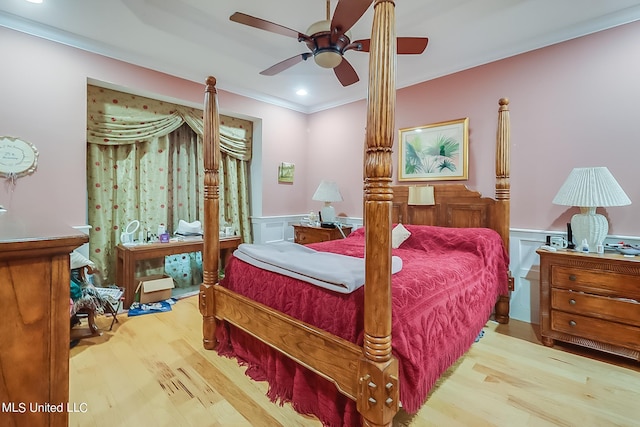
(270, 229)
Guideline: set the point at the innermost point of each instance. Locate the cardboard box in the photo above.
(154, 288)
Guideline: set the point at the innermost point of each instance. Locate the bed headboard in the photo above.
(456, 205)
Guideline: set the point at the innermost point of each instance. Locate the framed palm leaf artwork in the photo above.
(435, 152)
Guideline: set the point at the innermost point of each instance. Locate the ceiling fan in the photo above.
(328, 40)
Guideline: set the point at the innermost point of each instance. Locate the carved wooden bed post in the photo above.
(378, 370)
(211, 248)
(503, 193)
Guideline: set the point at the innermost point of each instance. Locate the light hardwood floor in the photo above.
(151, 370)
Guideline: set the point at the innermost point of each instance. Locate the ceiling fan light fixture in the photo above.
(319, 27)
(328, 58)
(327, 40)
(323, 27)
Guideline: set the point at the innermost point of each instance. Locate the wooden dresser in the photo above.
(305, 234)
(34, 332)
(592, 300)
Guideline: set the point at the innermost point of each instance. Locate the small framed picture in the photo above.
(435, 152)
(285, 173)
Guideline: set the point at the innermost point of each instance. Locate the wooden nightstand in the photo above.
(591, 300)
(305, 234)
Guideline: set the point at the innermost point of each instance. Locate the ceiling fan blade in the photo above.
(347, 14)
(345, 73)
(404, 45)
(411, 45)
(287, 63)
(365, 45)
(261, 24)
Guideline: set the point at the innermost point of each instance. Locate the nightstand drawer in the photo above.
(619, 310)
(596, 281)
(305, 234)
(596, 329)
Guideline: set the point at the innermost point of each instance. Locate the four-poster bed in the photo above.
(367, 373)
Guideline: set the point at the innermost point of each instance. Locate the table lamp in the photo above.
(589, 188)
(327, 192)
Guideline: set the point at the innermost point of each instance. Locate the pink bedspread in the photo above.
(442, 297)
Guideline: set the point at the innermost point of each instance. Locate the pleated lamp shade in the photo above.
(589, 188)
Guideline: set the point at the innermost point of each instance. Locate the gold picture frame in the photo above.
(435, 152)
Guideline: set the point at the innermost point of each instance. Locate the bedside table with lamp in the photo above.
(588, 297)
(324, 227)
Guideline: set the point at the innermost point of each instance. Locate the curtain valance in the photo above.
(119, 118)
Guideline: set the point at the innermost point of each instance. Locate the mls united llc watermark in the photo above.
(24, 407)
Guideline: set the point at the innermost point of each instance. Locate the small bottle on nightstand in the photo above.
(584, 247)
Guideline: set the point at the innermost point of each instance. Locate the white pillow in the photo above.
(398, 235)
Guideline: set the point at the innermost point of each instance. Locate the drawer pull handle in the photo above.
(572, 277)
(572, 323)
(572, 301)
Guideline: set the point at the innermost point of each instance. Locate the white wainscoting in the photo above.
(525, 268)
(269, 229)
(525, 262)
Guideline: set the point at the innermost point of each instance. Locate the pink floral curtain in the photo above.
(144, 162)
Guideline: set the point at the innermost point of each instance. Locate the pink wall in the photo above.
(284, 134)
(43, 87)
(335, 153)
(572, 105)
